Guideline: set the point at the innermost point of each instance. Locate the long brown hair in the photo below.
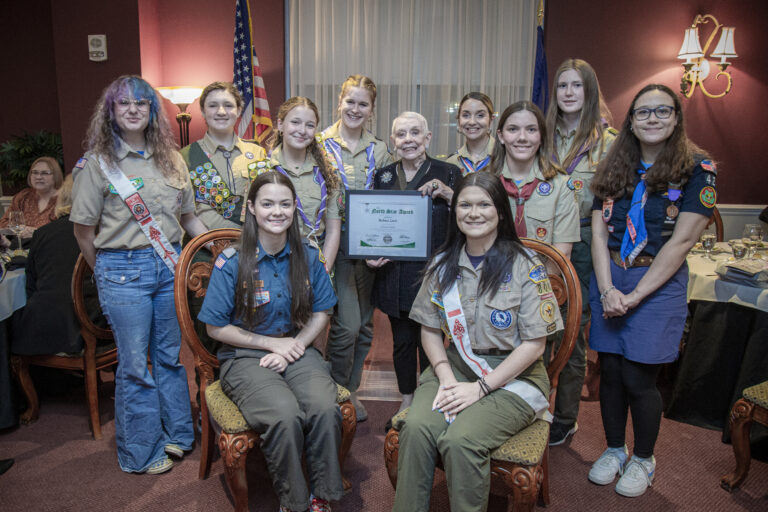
(548, 167)
(315, 149)
(248, 270)
(616, 173)
(594, 116)
(104, 133)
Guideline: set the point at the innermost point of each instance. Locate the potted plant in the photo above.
(18, 153)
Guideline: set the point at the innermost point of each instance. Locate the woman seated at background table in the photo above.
(539, 191)
(38, 201)
(491, 381)
(474, 120)
(51, 261)
(267, 301)
(396, 283)
(654, 194)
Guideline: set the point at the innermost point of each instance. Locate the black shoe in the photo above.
(559, 432)
(5, 465)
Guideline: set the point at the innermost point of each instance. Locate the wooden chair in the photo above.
(234, 437)
(717, 220)
(99, 352)
(519, 468)
(753, 406)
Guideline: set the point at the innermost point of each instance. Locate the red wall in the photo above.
(631, 44)
(80, 81)
(30, 101)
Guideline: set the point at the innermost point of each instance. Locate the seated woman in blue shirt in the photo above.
(267, 300)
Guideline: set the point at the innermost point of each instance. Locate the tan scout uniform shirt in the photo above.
(243, 153)
(308, 192)
(94, 205)
(553, 217)
(581, 177)
(358, 159)
(524, 308)
(454, 158)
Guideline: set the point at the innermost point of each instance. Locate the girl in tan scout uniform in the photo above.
(540, 193)
(133, 186)
(221, 163)
(579, 122)
(349, 144)
(295, 152)
(474, 122)
(481, 290)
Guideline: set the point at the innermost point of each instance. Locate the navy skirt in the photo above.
(649, 333)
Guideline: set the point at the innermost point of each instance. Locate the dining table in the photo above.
(726, 347)
(13, 296)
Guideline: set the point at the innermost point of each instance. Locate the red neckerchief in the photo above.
(521, 196)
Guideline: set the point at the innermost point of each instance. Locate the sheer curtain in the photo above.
(423, 55)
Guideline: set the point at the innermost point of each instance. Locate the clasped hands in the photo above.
(453, 398)
(285, 351)
(617, 304)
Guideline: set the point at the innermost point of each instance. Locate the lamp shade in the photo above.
(691, 48)
(180, 95)
(725, 47)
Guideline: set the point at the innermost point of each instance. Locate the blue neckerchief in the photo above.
(636, 236)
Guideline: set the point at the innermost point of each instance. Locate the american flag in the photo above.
(255, 122)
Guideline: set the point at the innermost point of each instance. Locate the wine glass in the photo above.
(16, 223)
(708, 243)
(753, 233)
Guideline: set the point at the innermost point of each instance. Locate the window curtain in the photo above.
(423, 55)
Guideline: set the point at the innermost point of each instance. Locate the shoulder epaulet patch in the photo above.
(224, 257)
(709, 166)
(81, 163)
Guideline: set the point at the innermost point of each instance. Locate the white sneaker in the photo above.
(637, 477)
(611, 462)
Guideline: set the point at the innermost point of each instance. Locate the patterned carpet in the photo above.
(60, 467)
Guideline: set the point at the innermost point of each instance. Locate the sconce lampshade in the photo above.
(180, 96)
(691, 48)
(725, 47)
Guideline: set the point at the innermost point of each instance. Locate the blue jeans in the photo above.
(151, 409)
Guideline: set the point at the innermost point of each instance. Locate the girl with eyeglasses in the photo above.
(131, 202)
(654, 194)
(578, 124)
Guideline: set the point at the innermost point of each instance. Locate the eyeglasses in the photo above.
(125, 104)
(661, 112)
(41, 173)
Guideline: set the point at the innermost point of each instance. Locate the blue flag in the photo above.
(540, 95)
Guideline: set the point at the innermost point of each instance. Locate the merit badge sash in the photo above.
(467, 167)
(334, 148)
(141, 214)
(457, 325)
(209, 186)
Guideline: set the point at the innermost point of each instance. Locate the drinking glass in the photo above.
(739, 250)
(708, 243)
(753, 233)
(16, 223)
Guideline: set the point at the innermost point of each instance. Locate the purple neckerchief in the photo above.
(470, 168)
(334, 148)
(323, 199)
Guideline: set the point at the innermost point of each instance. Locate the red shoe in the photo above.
(319, 505)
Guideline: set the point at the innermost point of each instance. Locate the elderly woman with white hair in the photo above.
(397, 283)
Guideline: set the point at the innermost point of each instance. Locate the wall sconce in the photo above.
(182, 97)
(696, 65)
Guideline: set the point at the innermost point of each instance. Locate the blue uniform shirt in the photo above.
(698, 195)
(275, 296)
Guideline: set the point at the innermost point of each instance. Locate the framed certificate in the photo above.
(389, 224)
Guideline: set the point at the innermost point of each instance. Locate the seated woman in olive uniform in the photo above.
(259, 305)
(491, 381)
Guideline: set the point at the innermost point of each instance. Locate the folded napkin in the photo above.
(746, 272)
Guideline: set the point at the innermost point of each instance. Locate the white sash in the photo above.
(460, 336)
(141, 214)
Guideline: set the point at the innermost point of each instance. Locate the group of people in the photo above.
(625, 206)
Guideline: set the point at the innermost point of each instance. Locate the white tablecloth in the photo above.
(13, 293)
(704, 284)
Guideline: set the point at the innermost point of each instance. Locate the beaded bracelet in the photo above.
(604, 294)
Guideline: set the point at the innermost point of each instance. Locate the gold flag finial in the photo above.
(540, 13)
